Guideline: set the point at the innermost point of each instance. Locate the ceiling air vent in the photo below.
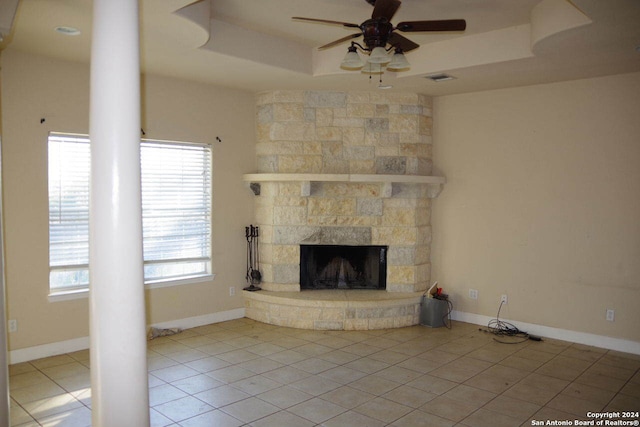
(440, 77)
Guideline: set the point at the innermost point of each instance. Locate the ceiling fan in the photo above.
(378, 31)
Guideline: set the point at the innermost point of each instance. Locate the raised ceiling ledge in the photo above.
(197, 13)
(434, 183)
(552, 17)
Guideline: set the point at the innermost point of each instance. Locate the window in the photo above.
(176, 210)
(69, 163)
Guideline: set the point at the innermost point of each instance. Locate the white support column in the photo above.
(120, 395)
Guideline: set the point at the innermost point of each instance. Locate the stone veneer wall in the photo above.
(344, 132)
(312, 132)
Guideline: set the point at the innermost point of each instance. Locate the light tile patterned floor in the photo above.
(245, 373)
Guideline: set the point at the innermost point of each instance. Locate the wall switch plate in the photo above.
(232, 291)
(13, 325)
(611, 314)
(473, 293)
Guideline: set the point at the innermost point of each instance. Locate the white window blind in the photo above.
(69, 163)
(176, 210)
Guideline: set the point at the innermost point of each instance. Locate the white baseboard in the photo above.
(77, 344)
(47, 350)
(601, 341)
(207, 319)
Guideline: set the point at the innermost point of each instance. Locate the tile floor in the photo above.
(245, 373)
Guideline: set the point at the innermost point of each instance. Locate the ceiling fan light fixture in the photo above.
(370, 68)
(398, 62)
(378, 32)
(379, 55)
(352, 60)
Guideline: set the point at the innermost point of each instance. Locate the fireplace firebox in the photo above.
(343, 267)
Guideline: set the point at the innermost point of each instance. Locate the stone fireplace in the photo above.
(339, 170)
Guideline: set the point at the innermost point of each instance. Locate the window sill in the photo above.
(156, 284)
(68, 295)
(84, 293)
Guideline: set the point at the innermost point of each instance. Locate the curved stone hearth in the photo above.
(334, 309)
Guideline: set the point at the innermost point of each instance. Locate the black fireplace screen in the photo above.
(343, 267)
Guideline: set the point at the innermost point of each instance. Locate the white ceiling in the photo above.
(255, 45)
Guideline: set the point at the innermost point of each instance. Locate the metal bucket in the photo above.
(433, 312)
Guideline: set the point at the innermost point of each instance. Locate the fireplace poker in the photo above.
(253, 264)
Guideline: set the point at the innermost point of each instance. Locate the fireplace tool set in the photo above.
(254, 277)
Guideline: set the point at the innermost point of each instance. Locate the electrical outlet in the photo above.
(13, 325)
(611, 314)
(503, 298)
(232, 291)
(473, 293)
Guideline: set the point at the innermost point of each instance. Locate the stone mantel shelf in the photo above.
(342, 177)
(254, 179)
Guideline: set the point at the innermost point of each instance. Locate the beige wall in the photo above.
(542, 203)
(36, 87)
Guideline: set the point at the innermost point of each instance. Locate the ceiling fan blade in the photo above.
(337, 42)
(396, 40)
(441, 25)
(325, 21)
(385, 9)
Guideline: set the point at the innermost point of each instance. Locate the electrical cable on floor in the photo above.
(447, 315)
(500, 328)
